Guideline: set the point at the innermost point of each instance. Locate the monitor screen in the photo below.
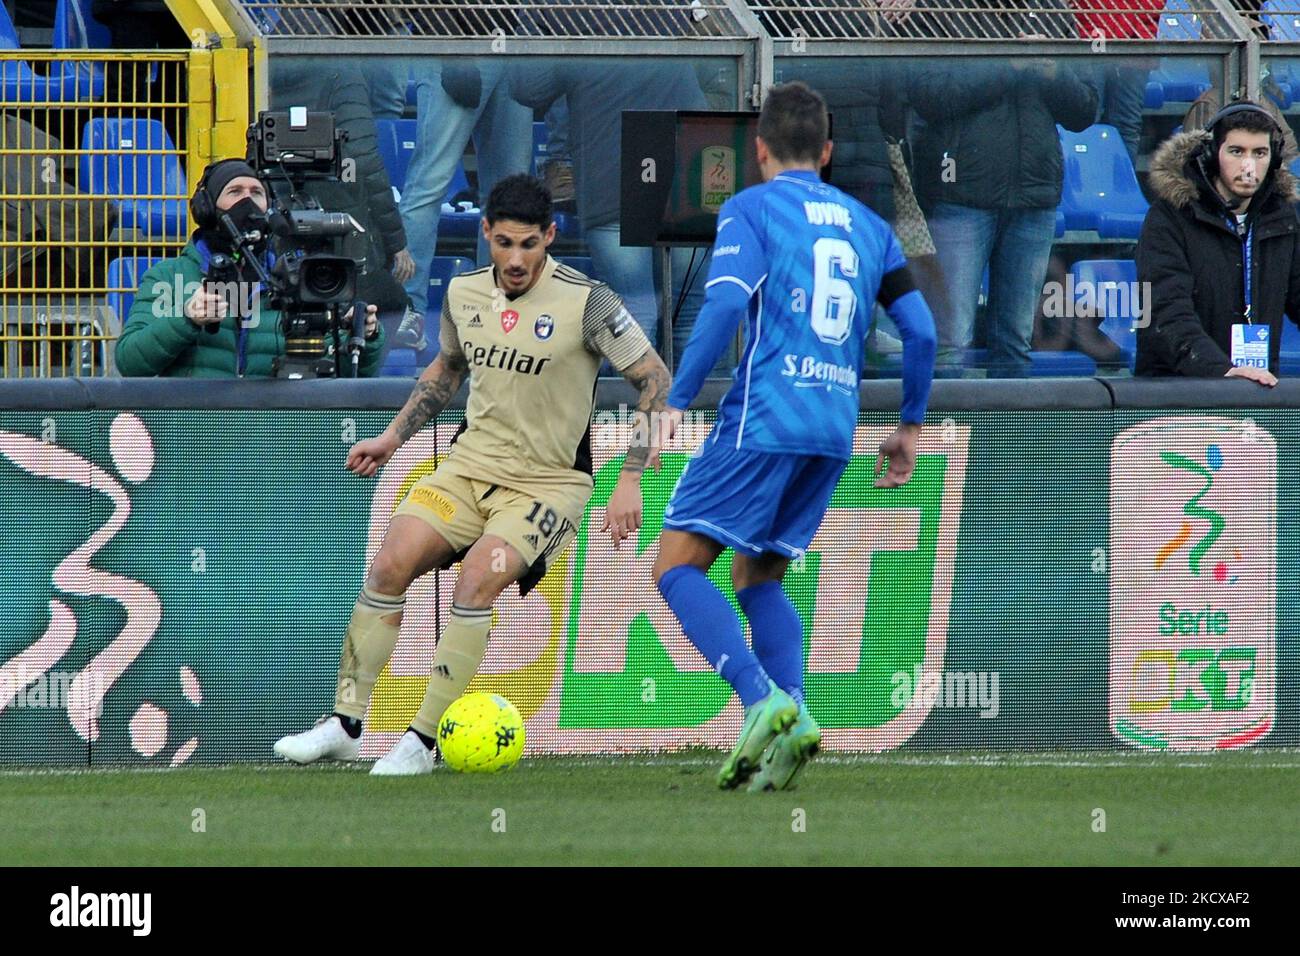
(679, 167)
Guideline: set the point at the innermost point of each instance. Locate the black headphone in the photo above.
(1210, 154)
(202, 206)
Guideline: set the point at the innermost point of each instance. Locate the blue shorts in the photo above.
(753, 501)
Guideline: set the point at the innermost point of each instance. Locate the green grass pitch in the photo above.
(901, 809)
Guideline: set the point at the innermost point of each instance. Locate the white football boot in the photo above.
(408, 758)
(327, 740)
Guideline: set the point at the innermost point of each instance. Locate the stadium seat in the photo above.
(112, 170)
(401, 363)
(1100, 192)
(442, 270)
(76, 29)
(67, 81)
(1049, 364)
(461, 224)
(1289, 348)
(1111, 285)
(125, 274)
(396, 147)
(1155, 95)
(540, 136)
(582, 263)
(1282, 19)
(1179, 80)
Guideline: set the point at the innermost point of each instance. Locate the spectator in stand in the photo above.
(1120, 80)
(989, 173)
(1220, 250)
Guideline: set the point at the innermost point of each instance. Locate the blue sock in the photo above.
(713, 627)
(777, 633)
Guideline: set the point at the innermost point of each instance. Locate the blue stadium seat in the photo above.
(442, 271)
(396, 147)
(1178, 22)
(76, 29)
(568, 226)
(1100, 193)
(1044, 364)
(401, 363)
(1282, 19)
(66, 82)
(1289, 350)
(461, 224)
(1180, 81)
(112, 169)
(125, 274)
(540, 136)
(1155, 95)
(582, 263)
(1111, 286)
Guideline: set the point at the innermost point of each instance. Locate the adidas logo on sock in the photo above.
(442, 671)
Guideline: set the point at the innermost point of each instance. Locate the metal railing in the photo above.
(1114, 20)
(93, 156)
(485, 19)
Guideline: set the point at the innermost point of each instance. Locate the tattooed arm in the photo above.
(435, 388)
(651, 378)
(431, 394)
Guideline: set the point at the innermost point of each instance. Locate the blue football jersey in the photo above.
(811, 258)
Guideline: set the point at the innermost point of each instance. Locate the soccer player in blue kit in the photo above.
(802, 264)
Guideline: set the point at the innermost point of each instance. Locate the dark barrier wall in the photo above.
(1076, 564)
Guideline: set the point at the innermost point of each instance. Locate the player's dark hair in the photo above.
(521, 198)
(793, 123)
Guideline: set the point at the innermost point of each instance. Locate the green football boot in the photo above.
(787, 754)
(764, 720)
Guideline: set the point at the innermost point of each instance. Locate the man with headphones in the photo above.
(181, 325)
(1219, 255)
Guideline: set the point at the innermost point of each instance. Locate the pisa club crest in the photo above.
(1193, 584)
(509, 319)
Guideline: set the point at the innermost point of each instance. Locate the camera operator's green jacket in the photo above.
(159, 340)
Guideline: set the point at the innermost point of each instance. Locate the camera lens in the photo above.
(325, 280)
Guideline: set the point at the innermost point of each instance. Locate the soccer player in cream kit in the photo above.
(802, 264)
(530, 334)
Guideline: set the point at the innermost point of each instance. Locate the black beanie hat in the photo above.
(221, 173)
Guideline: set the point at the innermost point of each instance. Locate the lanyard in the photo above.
(1246, 253)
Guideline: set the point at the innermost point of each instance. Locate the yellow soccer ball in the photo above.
(481, 733)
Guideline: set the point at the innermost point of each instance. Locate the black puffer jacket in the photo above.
(1192, 259)
(990, 139)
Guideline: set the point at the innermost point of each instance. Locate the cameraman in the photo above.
(181, 326)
